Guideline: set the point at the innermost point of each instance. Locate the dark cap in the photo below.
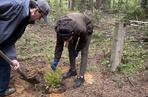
(44, 7)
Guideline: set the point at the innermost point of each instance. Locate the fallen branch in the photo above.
(130, 81)
(137, 22)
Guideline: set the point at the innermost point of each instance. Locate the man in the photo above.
(76, 28)
(15, 15)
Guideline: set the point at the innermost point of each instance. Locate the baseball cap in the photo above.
(44, 7)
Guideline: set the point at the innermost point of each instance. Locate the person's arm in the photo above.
(58, 49)
(58, 53)
(10, 51)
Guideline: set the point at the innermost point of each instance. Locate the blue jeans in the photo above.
(4, 75)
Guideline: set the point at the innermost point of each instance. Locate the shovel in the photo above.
(23, 76)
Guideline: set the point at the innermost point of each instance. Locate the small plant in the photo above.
(53, 78)
(105, 62)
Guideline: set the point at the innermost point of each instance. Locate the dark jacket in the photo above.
(81, 25)
(14, 17)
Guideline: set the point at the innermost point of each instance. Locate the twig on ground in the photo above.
(130, 81)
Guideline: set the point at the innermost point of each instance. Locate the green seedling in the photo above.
(53, 78)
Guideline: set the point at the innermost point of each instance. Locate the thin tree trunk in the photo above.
(106, 4)
(82, 4)
(71, 4)
(60, 3)
(98, 4)
(143, 4)
(91, 5)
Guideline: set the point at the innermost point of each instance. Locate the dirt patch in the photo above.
(97, 84)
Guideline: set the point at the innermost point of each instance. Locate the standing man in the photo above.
(75, 28)
(15, 15)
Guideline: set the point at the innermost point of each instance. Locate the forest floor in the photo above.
(99, 81)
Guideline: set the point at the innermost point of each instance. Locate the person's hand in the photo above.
(54, 64)
(75, 53)
(15, 64)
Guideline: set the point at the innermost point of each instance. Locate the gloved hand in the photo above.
(75, 53)
(54, 64)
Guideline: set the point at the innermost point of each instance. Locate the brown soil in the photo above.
(99, 84)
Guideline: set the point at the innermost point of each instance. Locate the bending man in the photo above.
(15, 15)
(75, 28)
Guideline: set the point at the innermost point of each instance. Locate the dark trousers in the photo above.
(84, 55)
(4, 75)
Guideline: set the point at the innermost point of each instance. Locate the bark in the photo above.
(98, 4)
(71, 4)
(143, 4)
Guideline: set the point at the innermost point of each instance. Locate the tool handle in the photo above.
(9, 61)
(5, 57)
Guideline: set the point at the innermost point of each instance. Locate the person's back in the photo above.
(11, 14)
(79, 19)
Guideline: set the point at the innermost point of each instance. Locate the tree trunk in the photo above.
(89, 5)
(60, 3)
(117, 46)
(82, 4)
(98, 4)
(71, 4)
(143, 4)
(106, 4)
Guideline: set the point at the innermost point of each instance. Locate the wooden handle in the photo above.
(5, 57)
(9, 61)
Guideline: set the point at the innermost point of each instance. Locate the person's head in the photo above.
(39, 9)
(64, 28)
(65, 34)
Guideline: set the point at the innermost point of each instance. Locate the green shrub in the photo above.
(53, 78)
(133, 58)
(136, 13)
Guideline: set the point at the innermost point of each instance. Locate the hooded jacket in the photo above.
(14, 18)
